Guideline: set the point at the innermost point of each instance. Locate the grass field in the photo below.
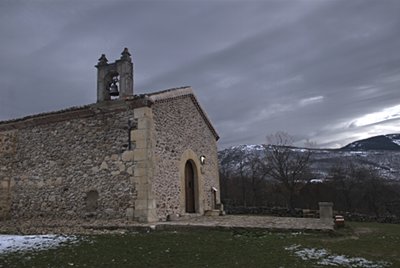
(357, 245)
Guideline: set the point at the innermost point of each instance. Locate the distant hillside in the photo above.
(380, 153)
(383, 142)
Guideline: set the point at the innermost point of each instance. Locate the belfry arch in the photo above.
(121, 70)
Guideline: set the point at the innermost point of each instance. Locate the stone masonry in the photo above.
(120, 158)
(55, 164)
(182, 134)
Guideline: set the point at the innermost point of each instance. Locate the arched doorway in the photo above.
(190, 164)
(190, 188)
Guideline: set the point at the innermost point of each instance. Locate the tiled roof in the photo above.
(91, 109)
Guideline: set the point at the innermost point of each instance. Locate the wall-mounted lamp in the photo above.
(202, 159)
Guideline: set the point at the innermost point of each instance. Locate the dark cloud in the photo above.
(321, 70)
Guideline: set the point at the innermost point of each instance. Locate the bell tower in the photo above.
(115, 80)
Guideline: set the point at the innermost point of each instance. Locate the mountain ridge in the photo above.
(380, 153)
(389, 142)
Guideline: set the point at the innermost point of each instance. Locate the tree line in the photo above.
(281, 177)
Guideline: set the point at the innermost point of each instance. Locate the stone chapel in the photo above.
(138, 157)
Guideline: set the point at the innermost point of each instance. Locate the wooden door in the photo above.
(189, 188)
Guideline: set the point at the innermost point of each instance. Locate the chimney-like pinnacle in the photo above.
(125, 55)
(102, 60)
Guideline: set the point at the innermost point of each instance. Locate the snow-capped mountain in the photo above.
(380, 153)
(383, 142)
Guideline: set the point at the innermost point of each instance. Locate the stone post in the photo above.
(326, 211)
(102, 66)
(125, 70)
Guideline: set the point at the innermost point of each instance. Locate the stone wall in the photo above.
(7, 155)
(5, 198)
(68, 167)
(76, 163)
(181, 128)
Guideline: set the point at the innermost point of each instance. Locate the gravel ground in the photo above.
(118, 226)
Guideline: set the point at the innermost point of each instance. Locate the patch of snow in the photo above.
(297, 233)
(395, 138)
(13, 243)
(323, 257)
(292, 247)
(317, 180)
(396, 142)
(253, 147)
(356, 153)
(362, 153)
(311, 254)
(352, 262)
(301, 150)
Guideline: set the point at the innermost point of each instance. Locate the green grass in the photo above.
(375, 242)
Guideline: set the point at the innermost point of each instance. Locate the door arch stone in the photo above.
(190, 163)
(190, 189)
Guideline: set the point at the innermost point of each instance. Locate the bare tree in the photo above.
(243, 179)
(233, 177)
(287, 164)
(257, 172)
(310, 144)
(343, 174)
(241, 173)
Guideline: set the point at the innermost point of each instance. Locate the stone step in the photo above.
(214, 212)
(183, 217)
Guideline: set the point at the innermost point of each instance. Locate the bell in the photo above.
(114, 88)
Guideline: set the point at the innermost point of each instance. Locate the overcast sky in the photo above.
(324, 70)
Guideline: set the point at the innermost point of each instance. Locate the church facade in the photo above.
(137, 157)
